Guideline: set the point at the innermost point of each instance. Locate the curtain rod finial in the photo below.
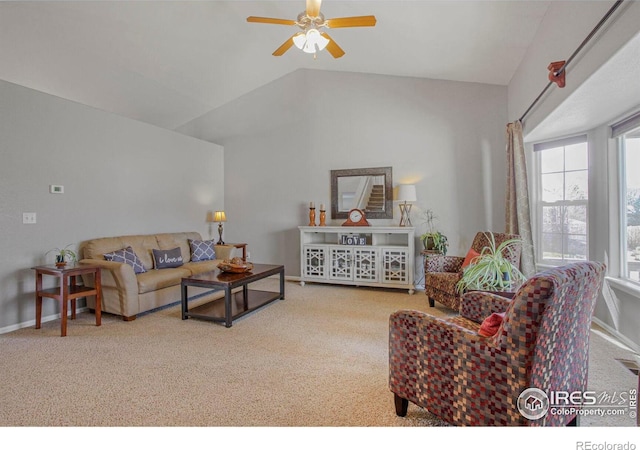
(557, 73)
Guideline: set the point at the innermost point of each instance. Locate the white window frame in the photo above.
(618, 130)
(537, 151)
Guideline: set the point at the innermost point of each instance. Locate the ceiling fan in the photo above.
(311, 39)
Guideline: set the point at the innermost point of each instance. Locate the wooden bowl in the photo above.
(235, 268)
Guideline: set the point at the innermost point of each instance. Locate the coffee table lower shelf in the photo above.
(236, 302)
(214, 310)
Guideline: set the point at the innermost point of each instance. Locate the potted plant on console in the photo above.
(433, 239)
(492, 270)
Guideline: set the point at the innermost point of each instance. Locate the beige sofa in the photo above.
(126, 293)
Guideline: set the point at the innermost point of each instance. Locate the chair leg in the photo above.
(402, 405)
(432, 302)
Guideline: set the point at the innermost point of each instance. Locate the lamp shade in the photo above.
(311, 41)
(219, 216)
(407, 193)
(209, 218)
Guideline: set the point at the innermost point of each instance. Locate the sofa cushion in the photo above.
(168, 241)
(196, 267)
(165, 259)
(158, 279)
(202, 250)
(126, 255)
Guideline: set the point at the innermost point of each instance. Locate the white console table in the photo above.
(373, 256)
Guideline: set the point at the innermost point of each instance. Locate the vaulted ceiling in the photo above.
(169, 62)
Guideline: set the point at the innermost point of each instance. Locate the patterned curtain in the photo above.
(517, 211)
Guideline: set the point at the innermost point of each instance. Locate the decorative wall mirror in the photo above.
(367, 189)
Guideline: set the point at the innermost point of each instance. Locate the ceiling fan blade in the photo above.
(358, 21)
(313, 8)
(284, 47)
(332, 47)
(270, 20)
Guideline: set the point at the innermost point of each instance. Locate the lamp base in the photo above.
(405, 210)
(220, 241)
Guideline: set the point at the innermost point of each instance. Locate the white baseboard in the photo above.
(32, 323)
(622, 338)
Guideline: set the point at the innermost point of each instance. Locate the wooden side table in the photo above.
(244, 249)
(68, 290)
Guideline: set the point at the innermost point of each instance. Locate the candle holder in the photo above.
(323, 218)
(312, 217)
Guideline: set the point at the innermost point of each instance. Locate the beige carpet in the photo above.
(317, 359)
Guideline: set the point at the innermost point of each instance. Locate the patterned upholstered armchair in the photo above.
(442, 273)
(449, 368)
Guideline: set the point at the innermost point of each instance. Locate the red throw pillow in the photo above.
(491, 324)
(468, 260)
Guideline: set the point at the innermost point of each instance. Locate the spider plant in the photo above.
(491, 270)
(435, 241)
(63, 254)
(432, 239)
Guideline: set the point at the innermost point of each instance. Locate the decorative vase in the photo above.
(60, 262)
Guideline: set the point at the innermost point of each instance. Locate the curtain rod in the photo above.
(586, 40)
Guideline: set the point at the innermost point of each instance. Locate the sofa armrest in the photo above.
(116, 274)
(441, 263)
(478, 305)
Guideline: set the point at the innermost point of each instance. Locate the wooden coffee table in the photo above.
(233, 305)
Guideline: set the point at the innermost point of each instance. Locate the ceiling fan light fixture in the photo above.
(321, 42)
(299, 40)
(314, 41)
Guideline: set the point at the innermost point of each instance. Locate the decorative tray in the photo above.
(235, 268)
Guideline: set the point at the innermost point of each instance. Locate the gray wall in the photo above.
(281, 142)
(120, 177)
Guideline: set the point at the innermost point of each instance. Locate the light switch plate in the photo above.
(29, 217)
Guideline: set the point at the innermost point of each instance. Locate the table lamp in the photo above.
(406, 194)
(219, 217)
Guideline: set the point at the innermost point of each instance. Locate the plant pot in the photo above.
(428, 243)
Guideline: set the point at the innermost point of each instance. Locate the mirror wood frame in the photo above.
(375, 171)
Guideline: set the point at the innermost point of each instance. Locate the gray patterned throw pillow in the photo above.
(202, 250)
(126, 255)
(164, 259)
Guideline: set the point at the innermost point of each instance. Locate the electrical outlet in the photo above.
(248, 255)
(29, 217)
(56, 189)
